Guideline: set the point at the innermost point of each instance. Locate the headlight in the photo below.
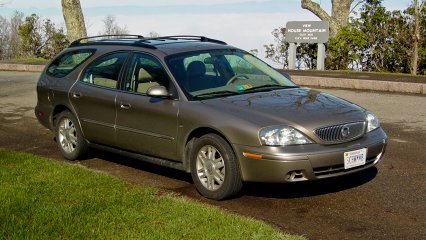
(372, 122)
(282, 136)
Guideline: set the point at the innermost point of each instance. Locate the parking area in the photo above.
(386, 202)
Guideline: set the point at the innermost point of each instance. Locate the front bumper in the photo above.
(307, 162)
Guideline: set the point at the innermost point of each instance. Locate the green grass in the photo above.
(30, 59)
(45, 199)
(33, 60)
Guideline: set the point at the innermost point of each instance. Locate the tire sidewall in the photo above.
(232, 183)
(81, 145)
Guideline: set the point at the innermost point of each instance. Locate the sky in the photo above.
(246, 24)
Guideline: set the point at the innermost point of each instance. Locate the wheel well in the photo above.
(197, 133)
(58, 109)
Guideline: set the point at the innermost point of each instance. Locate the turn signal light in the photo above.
(252, 155)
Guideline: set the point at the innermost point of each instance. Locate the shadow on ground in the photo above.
(266, 190)
(309, 188)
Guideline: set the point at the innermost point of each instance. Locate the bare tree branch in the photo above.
(316, 9)
(357, 3)
(422, 6)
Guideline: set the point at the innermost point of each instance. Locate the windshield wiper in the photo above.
(211, 94)
(268, 87)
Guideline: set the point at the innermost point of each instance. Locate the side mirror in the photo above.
(158, 91)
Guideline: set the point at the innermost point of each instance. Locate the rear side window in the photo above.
(104, 71)
(67, 62)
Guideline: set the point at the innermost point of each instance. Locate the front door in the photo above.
(144, 124)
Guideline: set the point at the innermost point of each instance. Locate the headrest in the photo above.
(196, 68)
(144, 76)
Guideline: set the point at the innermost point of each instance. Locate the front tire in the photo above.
(214, 168)
(69, 137)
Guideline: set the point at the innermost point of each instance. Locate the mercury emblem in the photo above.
(345, 131)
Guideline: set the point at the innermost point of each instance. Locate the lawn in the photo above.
(45, 199)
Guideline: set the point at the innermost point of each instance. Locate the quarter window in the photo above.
(67, 62)
(105, 70)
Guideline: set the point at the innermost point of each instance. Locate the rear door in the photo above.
(94, 97)
(145, 124)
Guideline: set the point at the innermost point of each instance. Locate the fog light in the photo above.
(295, 175)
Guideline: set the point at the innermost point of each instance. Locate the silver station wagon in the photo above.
(204, 107)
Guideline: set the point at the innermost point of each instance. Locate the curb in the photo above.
(21, 67)
(382, 86)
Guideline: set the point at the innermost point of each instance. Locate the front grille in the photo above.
(341, 133)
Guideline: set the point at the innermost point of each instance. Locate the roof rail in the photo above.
(188, 37)
(106, 37)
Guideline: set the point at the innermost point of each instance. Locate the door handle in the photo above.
(76, 95)
(125, 105)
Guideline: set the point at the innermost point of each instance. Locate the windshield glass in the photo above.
(218, 73)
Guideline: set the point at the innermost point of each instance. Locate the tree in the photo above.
(74, 19)
(153, 34)
(419, 7)
(399, 43)
(278, 52)
(254, 52)
(374, 20)
(53, 40)
(346, 49)
(40, 38)
(15, 39)
(306, 56)
(31, 36)
(339, 13)
(111, 27)
(4, 37)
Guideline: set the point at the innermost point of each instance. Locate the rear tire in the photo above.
(69, 137)
(210, 157)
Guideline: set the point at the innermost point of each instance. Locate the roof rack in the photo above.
(138, 40)
(105, 37)
(187, 37)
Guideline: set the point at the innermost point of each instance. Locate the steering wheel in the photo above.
(236, 77)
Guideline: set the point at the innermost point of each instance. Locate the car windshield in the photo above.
(219, 73)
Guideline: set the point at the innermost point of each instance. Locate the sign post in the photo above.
(307, 32)
(292, 56)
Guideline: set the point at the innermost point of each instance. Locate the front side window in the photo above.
(217, 73)
(144, 72)
(105, 70)
(68, 61)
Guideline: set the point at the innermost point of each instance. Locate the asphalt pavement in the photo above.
(387, 202)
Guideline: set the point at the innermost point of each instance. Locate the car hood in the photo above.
(303, 108)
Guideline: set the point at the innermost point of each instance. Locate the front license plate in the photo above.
(355, 158)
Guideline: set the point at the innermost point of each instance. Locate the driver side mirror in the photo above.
(158, 92)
